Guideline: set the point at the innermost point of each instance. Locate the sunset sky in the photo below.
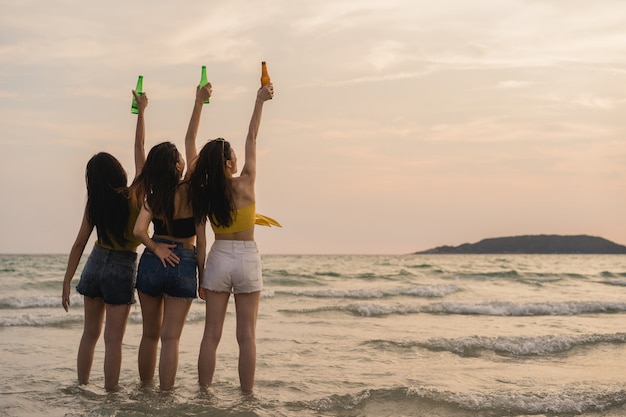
(397, 125)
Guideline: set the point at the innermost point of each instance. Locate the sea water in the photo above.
(405, 335)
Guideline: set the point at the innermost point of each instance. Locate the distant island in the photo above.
(534, 244)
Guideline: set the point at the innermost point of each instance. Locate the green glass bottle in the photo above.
(139, 90)
(204, 81)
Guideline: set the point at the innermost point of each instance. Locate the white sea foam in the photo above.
(431, 401)
(568, 401)
(519, 346)
(496, 308)
(430, 291)
(499, 308)
(40, 320)
(619, 283)
(425, 291)
(37, 301)
(375, 310)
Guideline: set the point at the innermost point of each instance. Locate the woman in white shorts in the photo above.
(233, 263)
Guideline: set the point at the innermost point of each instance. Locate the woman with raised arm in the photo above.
(233, 263)
(107, 281)
(174, 256)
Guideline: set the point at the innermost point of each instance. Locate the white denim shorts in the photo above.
(233, 266)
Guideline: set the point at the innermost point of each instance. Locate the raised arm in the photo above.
(75, 253)
(191, 153)
(249, 168)
(140, 132)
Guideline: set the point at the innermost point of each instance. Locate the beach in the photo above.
(350, 335)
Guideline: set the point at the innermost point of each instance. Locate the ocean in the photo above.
(392, 335)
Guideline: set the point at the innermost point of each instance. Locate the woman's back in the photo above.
(182, 227)
(130, 242)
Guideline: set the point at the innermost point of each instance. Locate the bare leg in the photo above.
(114, 329)
(216, 306)
(247, 306)
(152, 317)
(94, 315)
(174, 316)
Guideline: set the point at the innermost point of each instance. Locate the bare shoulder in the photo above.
(243, 188)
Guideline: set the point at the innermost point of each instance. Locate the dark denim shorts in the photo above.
(178, 281)
(110, 275)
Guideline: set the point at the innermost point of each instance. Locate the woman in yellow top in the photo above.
(107, 281)
(233, 263)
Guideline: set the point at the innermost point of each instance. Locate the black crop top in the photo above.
(181, 228)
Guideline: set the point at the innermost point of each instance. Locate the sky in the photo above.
(396, 126)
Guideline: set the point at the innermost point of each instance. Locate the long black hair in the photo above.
(159, 180)
(210, 190)
(107, 198)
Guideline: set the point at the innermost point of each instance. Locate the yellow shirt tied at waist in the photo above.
(243, 219)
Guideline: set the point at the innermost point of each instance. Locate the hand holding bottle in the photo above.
(203, 93)
(142, 101)
(265, 93)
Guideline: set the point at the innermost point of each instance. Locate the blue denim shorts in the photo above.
(178, 281)
(110, 275)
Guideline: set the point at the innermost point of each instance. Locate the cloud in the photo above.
(8, 94)
(589, 101)
(332, 17)
(387, 53)
(221, 33)
(379, 78)
(602, 103)
(512, 84)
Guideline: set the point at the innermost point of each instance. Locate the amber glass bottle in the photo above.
(265, 77)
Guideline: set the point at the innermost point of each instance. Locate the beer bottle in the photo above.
(139, 90)
(265, 77)
(204, 81)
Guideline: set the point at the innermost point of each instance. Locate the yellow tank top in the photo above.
(132, 242)
(243, 219)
